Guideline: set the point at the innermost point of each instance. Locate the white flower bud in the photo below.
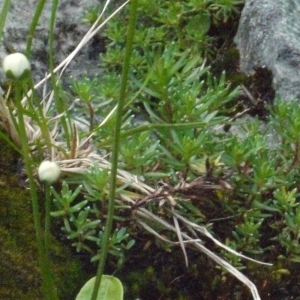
(16, 65)
(48, 171)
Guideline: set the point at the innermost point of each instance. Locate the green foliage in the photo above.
(139, 152)
(225, 9)
(119, 243)
(265, 181)
(161, 23)
(81, 218)
(63, 202)
(110, 289)
(259, 216)
(173, 105)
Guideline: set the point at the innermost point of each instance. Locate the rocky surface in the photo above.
(268, 36)
(69, 32)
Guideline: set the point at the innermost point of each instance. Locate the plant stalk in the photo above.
(33, 25)
(4, 12)
(48, 289)
(59, 102)
(115, 147)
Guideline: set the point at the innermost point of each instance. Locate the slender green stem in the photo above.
(4, 12)
(154, 126)
(42, 258)
(33, 25)
(115, 146)
(60, 104)
(32, 187)
(47, 216)
(47, 240)
(36, 108)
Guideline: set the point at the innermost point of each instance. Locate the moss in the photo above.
(19, 272)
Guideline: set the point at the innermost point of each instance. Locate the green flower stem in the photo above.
(115, 147)
(48, 290)
(47, 239)
(36, 108)
(4, 12)
(59, 102)
(154, 126)
(47, 216)
(33, 25)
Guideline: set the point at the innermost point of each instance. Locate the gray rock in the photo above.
(269, 36)
(69, 31)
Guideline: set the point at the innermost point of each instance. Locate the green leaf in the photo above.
(111, 288)
(199, 25)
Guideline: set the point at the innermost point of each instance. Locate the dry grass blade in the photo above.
(204, 231)
(89, 35)
(144, 213)
(179, 234)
